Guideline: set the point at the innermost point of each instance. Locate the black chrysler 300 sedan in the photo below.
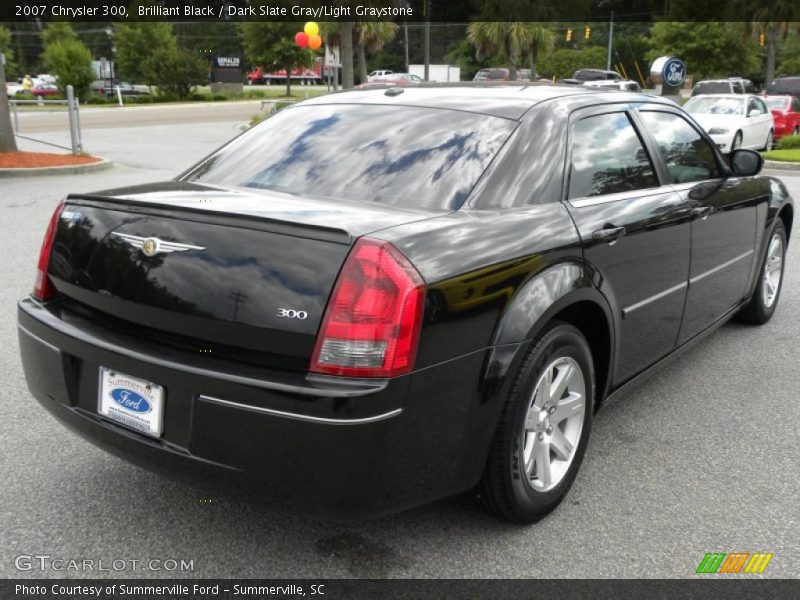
(376, 299)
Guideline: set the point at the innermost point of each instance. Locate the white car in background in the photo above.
(380, 74)
(734, 120)
(623, 85)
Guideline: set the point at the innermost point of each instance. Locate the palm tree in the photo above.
(341, 34)
(511, 39)
(540, 40)
(492, 37)
(774, 18)
(371, 36)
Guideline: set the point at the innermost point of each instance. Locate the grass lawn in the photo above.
(792, 155)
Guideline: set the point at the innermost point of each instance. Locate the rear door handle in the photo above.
(609, 235)
(702, 211)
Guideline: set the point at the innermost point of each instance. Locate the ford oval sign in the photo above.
(674, 72)
(130, 400)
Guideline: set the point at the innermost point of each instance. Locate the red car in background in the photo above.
(785, 113)
(45, 89)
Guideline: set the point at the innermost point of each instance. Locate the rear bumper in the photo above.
(364, 448)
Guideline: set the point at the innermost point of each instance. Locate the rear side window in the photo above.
(419, 158)
(608, 157)
(688, 155)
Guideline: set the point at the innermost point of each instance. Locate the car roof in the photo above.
(508, 100)
(734, 96)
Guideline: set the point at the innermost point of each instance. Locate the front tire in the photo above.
(544, 428)
(770, 280)
(737, 141)
(770, 141)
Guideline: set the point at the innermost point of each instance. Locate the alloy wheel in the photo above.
(553, 423)
(773, 271)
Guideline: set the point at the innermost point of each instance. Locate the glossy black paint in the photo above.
(515, 256)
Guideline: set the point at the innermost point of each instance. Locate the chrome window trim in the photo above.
(584, 201)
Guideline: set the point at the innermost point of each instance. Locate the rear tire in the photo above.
(543, 429)
(770, 141)
(770, 279)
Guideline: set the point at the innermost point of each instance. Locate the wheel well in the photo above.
(787, 216)
(590, 319)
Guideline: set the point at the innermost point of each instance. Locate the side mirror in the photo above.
(746, 162)
(754, 113)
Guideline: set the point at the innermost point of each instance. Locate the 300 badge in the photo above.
(290, 313)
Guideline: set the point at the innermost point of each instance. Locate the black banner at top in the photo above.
(447, 11)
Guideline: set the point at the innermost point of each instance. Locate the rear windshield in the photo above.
(785, 86)
(712, 87)
(405, 156)
(777, 103)
(714, 106)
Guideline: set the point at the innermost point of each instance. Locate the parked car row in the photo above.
(105, 88)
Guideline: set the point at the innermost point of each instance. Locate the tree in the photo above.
(562, 63)
(5, 48)
(774, 18)
(539, 41)
(346, 49)
(498, 37)
(71, 62)
(175, 71)
(708, 49)
(7, 141)
(271, 46)
(135, 43)
(58, 31)
(511, 40)
(371, 36)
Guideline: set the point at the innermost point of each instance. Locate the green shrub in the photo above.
(788, 142)
(95, 99)
(176, 72)
(219, 97)
(71, 62)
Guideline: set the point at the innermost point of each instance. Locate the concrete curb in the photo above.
(100, 165)
(780, 165)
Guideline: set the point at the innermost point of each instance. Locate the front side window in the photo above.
(608, 157)
(688, 155)
(417, 158)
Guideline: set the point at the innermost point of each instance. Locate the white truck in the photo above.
(438, 73)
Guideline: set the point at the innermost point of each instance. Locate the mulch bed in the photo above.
(29, 160)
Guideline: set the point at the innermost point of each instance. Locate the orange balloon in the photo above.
(314, 42)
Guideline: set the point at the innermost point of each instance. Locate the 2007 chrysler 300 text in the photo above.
(376, 299)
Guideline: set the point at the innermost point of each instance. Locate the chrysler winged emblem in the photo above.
(150, 246)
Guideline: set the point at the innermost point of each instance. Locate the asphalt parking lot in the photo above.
(702, 457)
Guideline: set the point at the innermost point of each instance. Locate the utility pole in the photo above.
(238, 298)
(427, 39)
(610, 41)
(405, 30)
(7, 141)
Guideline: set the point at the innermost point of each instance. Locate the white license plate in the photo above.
(131, 401)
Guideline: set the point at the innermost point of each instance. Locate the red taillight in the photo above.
(371, 326)
(43, 288)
